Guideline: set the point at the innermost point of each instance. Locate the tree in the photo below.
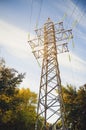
(17, 106)
(75, 107)
(9, 80)
(26, 114)
(81, 104)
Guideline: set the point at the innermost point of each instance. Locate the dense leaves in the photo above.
(75, 107)
(17, 106)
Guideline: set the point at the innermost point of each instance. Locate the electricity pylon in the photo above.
(51, 40)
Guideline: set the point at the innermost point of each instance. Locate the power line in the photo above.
(71, 15)
(74, 8)
(73, 11)
(31, 14)
(68, 8)
(30, 20)
(78, 22)
(38, 18)
(81, 16)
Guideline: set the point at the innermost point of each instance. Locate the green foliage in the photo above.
(26, 110)
(17, 106)
(75, 107)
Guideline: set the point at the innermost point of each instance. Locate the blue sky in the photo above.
(18, 18)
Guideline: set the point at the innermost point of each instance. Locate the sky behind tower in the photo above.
(18, 18)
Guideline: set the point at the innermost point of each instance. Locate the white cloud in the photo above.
(72, 71)
(79, 34)
(69, 59)
(72, 77)
(14, 40)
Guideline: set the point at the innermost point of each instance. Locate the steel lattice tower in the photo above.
(51, 40)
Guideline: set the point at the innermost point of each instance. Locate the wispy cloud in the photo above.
(72, 69)
(14, 40)
(75, 13)
(72, 11)
(77, 63)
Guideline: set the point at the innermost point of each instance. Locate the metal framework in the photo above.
(51, 40)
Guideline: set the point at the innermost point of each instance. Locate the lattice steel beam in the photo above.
(51, 40)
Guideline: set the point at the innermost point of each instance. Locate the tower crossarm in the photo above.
(62, 39)
(62, 48)
(63, 35)
(37, 47)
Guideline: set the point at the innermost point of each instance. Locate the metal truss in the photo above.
(51, 40)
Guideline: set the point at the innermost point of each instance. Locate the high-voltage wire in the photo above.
(31, 13)
(74, 9)
(38, 18)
